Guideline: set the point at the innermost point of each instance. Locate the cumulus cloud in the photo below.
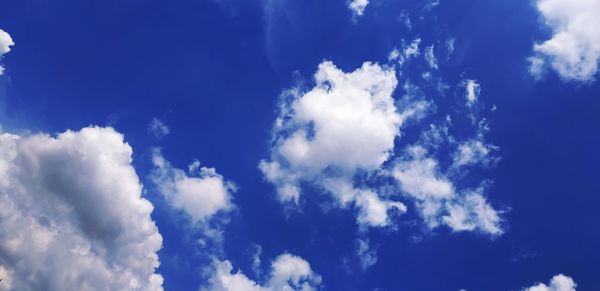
(200, 193)
(288, 272)
(559, 282)
(158, 128)
(358, 6)
(5, 43)
(341, 137)
(573, 50)
(345, 124)
(73, 216)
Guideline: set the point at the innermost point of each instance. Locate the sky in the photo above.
(275, 145)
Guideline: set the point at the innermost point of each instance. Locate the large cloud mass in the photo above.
(574, 49)
(345, 124)
(288, 273)
(73, 217)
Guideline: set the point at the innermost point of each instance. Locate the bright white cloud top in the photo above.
(200, 193)
(559, 282)
(73, 216)
(346, 124)
(358, 6)
(574, 49)
(288, 272)
(5, 43)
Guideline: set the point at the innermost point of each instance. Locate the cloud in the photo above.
(436, 198)
(367, 256)
(450, 46)
(158, 128)
(358, 6)
(288, 272)
(430, 57)
(574, 49)
(200, 193)
(407, 52)
(559, 282)
(5, 43)
(345, 124)
(473, 151)
(73, 216)
(472, 90)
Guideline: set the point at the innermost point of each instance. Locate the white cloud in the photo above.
(559, 282)
(473, 151)
(472, 90)
(437, 200)
(430, 57)
(358, 6)
(73, 216)
(345, 124)
(471, 212)
(366, 255)
(288, 273)
(574, 49)
(256, 261)
(158, 128)
(432, 4)
(200, 195)
(450, 46)
(408, 52)
(5, 43)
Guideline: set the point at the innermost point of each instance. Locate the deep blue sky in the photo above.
(213, 73)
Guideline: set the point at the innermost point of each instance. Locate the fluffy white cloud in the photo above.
(73, 216)
(5, 43)
(358, 6)
(288, 273)
(200, 195)
(437, 200)
(559, 282)
(158, 128)
(574, 49)
(346, 124)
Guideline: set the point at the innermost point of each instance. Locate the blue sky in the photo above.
(412, 145)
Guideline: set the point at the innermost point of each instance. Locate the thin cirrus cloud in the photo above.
(50, 236)
(559, 282)
(573, 51)
(288, 272)
(6, 42)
